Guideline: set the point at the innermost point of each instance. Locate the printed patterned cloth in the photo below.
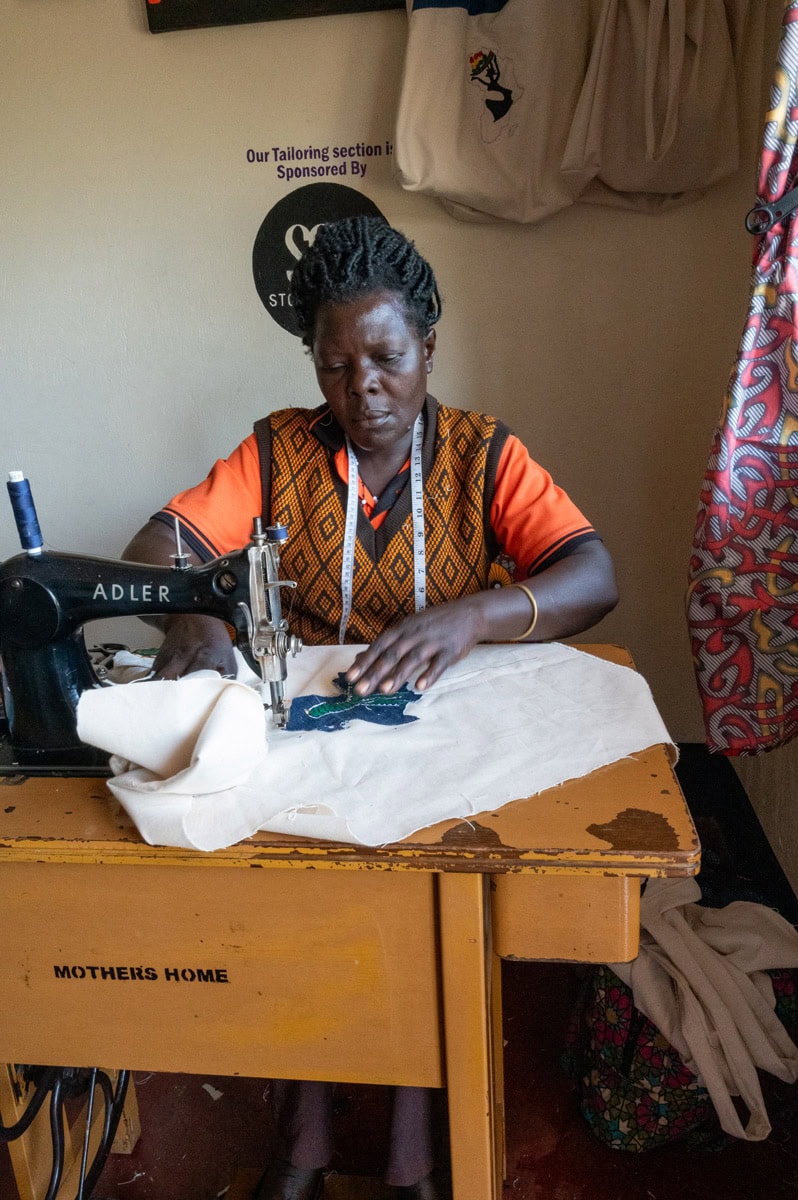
(634, 1090)
(742, 602)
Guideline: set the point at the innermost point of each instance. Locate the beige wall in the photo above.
(135, 348)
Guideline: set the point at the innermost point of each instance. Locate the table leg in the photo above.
(497, 1069)
(473, 1075)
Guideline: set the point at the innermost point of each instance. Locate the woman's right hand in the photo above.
(194, 643)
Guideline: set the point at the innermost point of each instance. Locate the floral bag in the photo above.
(633, 1089)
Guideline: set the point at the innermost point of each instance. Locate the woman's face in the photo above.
(372, 368)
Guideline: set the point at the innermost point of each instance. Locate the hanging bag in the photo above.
(487, 95)
(657, 117)
(742, 602)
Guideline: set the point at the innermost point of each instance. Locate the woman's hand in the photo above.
(419, 648)
(570, 596)
(194, 643)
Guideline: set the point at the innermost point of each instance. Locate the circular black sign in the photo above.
(287, 231)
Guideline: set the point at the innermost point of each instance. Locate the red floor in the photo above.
(197, 1132)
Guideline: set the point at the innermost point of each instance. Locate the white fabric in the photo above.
(507, 722)
(183, 751)
(699, 976)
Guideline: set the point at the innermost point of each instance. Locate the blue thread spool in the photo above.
(30, 535)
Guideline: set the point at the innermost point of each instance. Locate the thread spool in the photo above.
(30, 535)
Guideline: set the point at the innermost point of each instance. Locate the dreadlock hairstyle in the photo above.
(358, 255)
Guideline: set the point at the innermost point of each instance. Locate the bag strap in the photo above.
(263, 436)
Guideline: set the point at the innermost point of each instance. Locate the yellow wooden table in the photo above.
(290, 958)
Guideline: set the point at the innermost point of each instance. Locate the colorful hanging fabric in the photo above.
(742, 601)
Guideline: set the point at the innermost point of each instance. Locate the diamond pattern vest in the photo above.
(302, 490)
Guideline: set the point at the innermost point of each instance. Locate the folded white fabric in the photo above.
(183, 752)
(507, 722)
(700, 977)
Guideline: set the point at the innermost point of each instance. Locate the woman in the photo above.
(397, 509)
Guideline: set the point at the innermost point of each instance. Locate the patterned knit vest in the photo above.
(306, 495)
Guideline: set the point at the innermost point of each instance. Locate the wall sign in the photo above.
(287, 231)
(166, 15)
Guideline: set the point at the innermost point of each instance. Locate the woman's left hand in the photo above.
(569, 596)
(419, 648)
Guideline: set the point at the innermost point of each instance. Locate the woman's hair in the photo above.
(358, 255)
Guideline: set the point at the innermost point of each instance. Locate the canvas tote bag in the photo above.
(488, 92)
(657, 118)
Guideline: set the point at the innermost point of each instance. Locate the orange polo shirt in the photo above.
(534, 521)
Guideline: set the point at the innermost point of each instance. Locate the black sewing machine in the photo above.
(46, 598)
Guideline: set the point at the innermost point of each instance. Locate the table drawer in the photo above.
(583, 918)
(291, 973)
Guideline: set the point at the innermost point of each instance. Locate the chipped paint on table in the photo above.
(309, 966)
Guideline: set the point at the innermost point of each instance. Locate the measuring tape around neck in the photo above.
(417, 509)
(417, 515)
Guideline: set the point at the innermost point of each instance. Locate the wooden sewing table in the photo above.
(285, 957)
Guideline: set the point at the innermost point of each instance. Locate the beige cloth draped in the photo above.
(699, 976)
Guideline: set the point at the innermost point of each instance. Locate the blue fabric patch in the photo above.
(474, 8)
(331, 713)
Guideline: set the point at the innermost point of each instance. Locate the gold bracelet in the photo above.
(534, 603)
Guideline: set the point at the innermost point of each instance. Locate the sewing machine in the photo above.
(47, 597)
